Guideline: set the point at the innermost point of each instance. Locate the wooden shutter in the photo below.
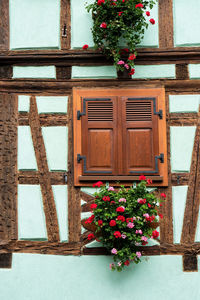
(99, 134)
(140, 135)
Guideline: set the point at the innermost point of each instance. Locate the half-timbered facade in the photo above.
(54, 146)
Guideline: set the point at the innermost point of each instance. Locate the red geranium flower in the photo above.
(121, 218)
(132, 57)
(120, 209)
(85, 47)
(149, 181)
(148, 13)
(155, 234)
(132, 72)
(106, 198)
(142, 177)
(98, 184)
(161, 216)
(112, 202)
(100, 222)
(149, 205)
(90, 220)
(163, 195)
(140, 5)
(93, 206)
(129, 220)
(103, 25)
(99, 2)
(144, 243)
(90, 236)
(150, 219)
(127, 263)
(152, 21)
(112, 223)
(120, 13)
(117, 234)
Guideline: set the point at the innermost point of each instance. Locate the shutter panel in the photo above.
(99, 136)
(140, 135)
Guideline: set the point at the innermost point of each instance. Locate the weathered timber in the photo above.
(4, 25)
(182, 71)
(5, 261)
(44, 179)
(6, 72)
(63, 72)
(180, 179)
(65, 24)
(190, 263)
(32, 177)
(8, 169)
(45, 119)
(166, 38)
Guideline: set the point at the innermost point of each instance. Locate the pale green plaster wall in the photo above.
(182, 141)
(81, 23)
(34, 72)
(94, 72)
(52, 104)
(34, 24)
(46, 277)
(184, 103)
(31, 219)
(154, 71)
(194, 71)
(23, 103)
(56, 144)
(186, 22)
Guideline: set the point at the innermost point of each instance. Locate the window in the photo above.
(119, 134)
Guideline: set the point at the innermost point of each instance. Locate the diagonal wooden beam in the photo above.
(44, 178)
(193, 194)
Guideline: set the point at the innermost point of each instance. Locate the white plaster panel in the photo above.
(186, 22)
(184, 103)
(56, 144)
(34, 24)
(94, 244)
(81, 34)
(61, 200)
(182, 142)
(23, 103)
(179, 195)
(34, 72)
(154, 71)
(197, 236)
(194, 71)
(94, 72)
(52, 104)
(26, 154)
(31, 218)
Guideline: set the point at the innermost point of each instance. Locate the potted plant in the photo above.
(120, 22)
(124, 219)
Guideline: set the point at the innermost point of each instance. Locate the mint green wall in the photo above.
(186, 22)
(34, 72)
(46, 277)
(34, 24)
(81, 23)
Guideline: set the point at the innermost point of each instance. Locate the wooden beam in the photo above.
(4, 25)
(166, 35)
(190, 263)
(45, 119)
(65, 24)
(44, 179)
(8, 169)
(182, 71)
(32, 177)
(5, 261)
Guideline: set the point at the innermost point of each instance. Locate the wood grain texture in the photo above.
(166, 39)
(8, 169)
(190, 263)
(65, 24)
(6, 72)
(32, 177)
(193, 195)
(182, 71)
(63, 72)
(45, 119)
(5, 261)
(4, 25)
(44, 179)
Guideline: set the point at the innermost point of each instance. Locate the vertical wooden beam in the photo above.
(63, 72)
(190, 263)
(5, 260)
(182, 71)
(4, 25)
(166, 36)
(8, 167)
(44, 178)
(65, 24)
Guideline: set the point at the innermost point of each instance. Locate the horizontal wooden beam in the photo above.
(180, 55)
(32, 177)
(45, 119)
(118, 178)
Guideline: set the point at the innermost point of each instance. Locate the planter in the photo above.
(124, 74)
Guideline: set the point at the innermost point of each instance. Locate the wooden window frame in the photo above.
(78, 93)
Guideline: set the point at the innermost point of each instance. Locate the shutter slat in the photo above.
(138, 111)
(100, 111)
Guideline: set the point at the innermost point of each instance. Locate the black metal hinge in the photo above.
(159, 113)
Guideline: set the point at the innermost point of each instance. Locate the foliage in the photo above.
(124, 220)
(116, 21)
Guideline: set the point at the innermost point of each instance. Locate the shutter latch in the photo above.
(79, 158)
(79, 114)
(161, 157)
(159, 113)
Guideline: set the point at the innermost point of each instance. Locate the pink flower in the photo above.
(119, 263)
(120, 62)
(146, 215)
(138, 231)
(122, 200)
(130, 225)
(114, 251)
(144, 238)
(138, 254)
(112, 266)
(137, 244)
(103, 25)
(123, 236)
(111, 188)
(134, 218)
(141, 201)
(126, 66)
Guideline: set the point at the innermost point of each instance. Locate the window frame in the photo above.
(79, 93)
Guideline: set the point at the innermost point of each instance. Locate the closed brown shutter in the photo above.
(99, 135)
(140, 135)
